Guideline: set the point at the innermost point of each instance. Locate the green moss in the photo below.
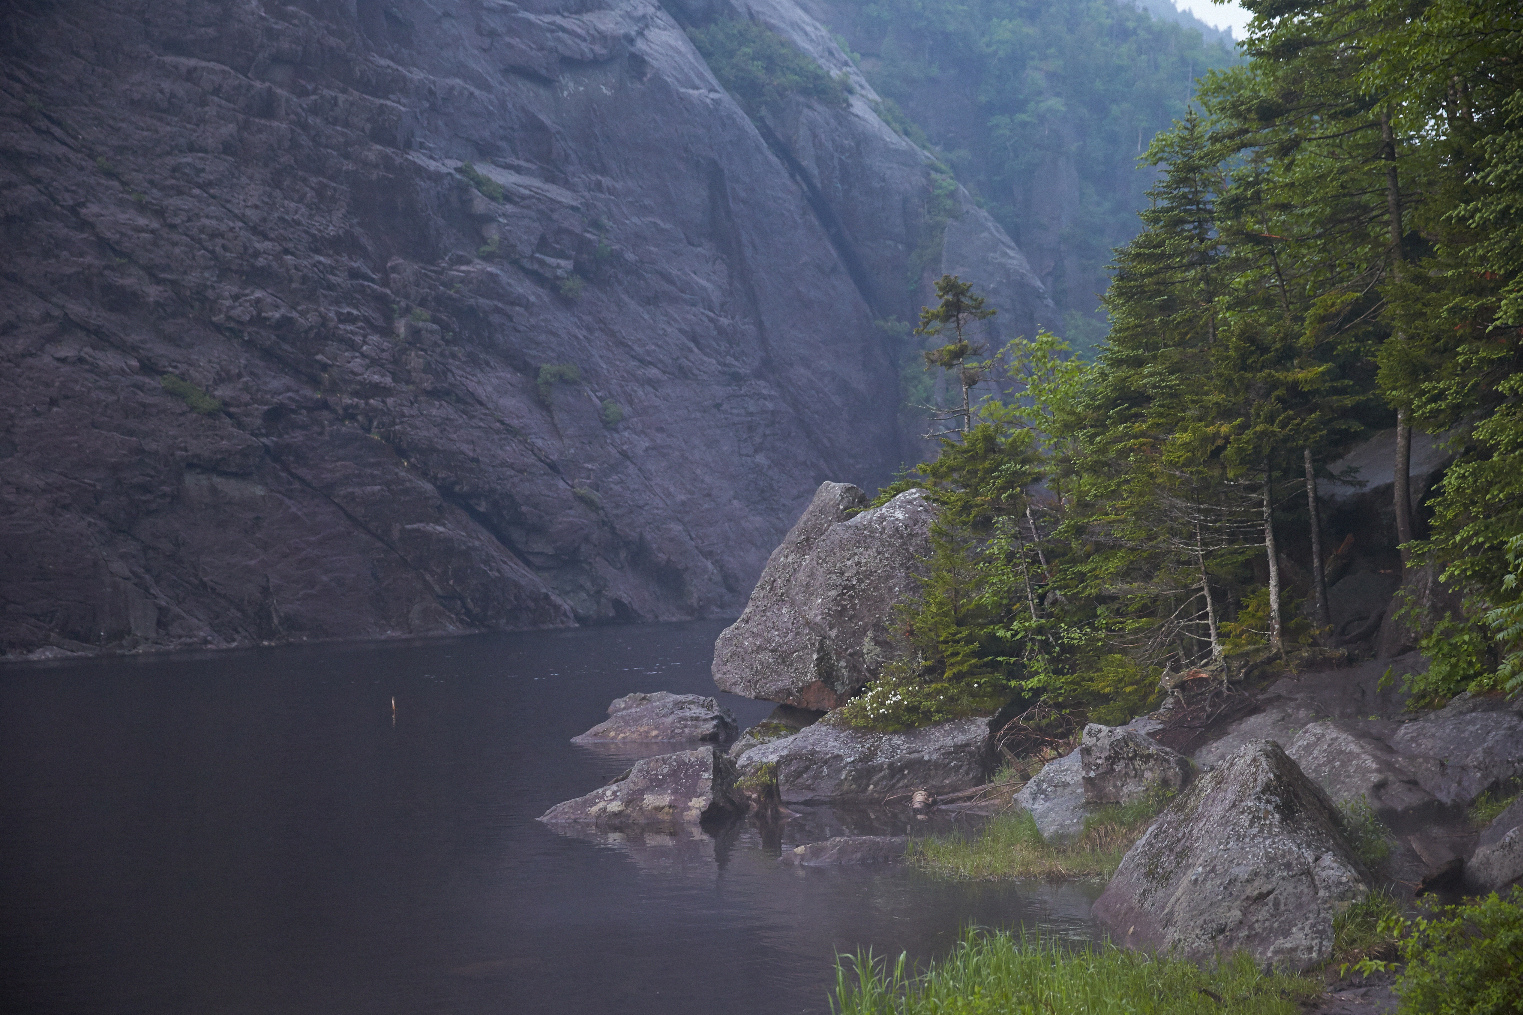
(610, 413)
(762, 782)
(571, 287)
(487, 187)
(489, 249)
(588, 496)
(995, 973)
(193, 396)
(420, 316)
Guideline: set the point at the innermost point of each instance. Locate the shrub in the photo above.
(485, 186)
(997, 973)
(420, 316)
(610, 413)
(193, 396)
(761, 68)
(1460, 960)
(489, 249)
(551, 374)
(571, 287)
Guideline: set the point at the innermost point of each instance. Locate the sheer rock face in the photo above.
(663, 716)
(668, 791)
(270, 203)
(826, 763)
(1251, 857)
(816, 628)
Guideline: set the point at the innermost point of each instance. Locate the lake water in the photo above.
(260, 832)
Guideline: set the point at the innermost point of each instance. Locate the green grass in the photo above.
(1366, 833)
(1362, 931)
(1492, 803)
(994, 974)
(1009, 847)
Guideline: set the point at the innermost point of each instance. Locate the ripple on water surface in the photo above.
(262, 831)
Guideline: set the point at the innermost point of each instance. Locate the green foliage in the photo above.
(420, 316)
(995, 973)
(571, 287)
(198, 400)
(490, 248)
(762, 782)
(1367, 834)
(611, 413)
(761, 68)
(551, 374)
(1490, 804)
(485, 185)
(1460, 960)
(1459, 656)
(1042, 92)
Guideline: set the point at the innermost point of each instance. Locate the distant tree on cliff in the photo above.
(959, 307)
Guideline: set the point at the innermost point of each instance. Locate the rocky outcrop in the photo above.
(336, 321)
(1498, 859)
(1251, 857)
(847, 849)
(664, 792)
(1417, 772)
(664, 716)
(816, 628)
(1112, 765)
(1055, 798)
(782, 721)
(827, 763)
(1121, 765)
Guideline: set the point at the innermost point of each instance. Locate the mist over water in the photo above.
(259, 831)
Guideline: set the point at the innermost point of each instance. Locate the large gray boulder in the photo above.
(1498, 859)
(827, 763)
(1352, 764)
(1467, 747)
(665, 792)
(1121, 765)
(663, 716)
(1251, 857)
(816, 628)
(1055, 798)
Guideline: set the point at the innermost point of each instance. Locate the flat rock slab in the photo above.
(1251, 857)
(848, 849)
(816, 628)
(665, 792)
(663, 716)
(1121, 765)
(827, 763)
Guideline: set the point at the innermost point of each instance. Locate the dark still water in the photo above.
(257, 832)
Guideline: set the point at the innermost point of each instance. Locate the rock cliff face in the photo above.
(283, 284)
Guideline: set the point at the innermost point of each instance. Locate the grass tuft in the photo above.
(997, 973)
(1363, 931)
(1366, 833)
(1009, 847)
(198, 400)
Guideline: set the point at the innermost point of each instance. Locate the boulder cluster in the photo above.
(1262, 833)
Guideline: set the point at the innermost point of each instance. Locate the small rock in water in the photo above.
(848, 849)
(670, 790)
(663, 716)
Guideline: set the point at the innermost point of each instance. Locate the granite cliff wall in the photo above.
(274, 353)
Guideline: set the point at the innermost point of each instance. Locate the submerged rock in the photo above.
(663, 716)
(671, 790)
(1121, 765)
(848, 849)
(1251, 857)
(816, 628)
(829, 763)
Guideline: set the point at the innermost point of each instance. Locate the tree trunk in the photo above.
(1393, 193)
(1205, 587)
(1318, 565)
(1276, 637)
(1402, 480)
